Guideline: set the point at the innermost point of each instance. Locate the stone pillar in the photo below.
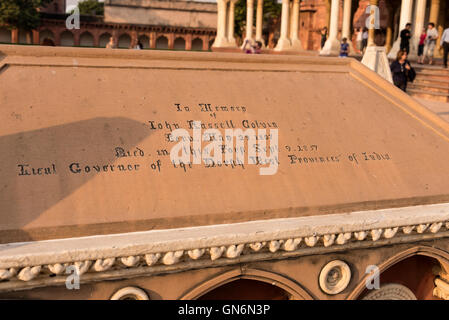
(418, 24)
(231, 19)
(346, 29)
(259, 22)
(153, 40)
(221, 39)
(294, 28)
(284, 42)
(171, 41)
(188, 40)
(15, 36)
(406, 17)
(371, 31)
(249, 19)
(133, 39)
(433, 17)
(76, 38)
(35, 37)
(332, 45)
(390, 23)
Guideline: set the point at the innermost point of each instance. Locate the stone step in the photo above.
(429, 87)
(439, 82)
(431, 70)
(432, 76)
(424, 94)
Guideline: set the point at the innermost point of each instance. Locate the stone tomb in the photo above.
(85, 140)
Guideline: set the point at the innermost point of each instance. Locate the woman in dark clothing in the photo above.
(402, 71)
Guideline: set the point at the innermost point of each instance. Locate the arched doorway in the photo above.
(124, 41)
(145, 41)
(86, 39)
(180, 44)
(5, 35)
(67, 39)
(245, 289)
(197, 44)
(410, 274)
(414, 274)
(249, 284)
(104, 40)
(161, 43)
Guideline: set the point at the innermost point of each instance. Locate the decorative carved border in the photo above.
(162, 251)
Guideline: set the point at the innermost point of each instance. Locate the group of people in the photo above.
(427, 42)
(112, 45)
(401, 69)
(252, 47)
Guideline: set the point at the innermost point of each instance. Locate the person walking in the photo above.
(422, 40)
(402, 71)
(431, 40)
(444, 42)
(405, 38)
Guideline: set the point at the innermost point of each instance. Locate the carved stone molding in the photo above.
(335, 277)
(168, 250)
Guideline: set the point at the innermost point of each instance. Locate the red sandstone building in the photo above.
(192, 25)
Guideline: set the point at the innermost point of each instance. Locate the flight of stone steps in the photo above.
(431, 83)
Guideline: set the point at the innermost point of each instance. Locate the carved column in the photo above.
(259, 22)
(188, 40)
(346, 29)
(372, 30)
(294, 28)
(221, 39)
(405, 17)
(15, 36)
(231, 19)
(249, 19)
(332, 45)
(433, 17)
(418, 24)
(152, 40)
(389, 35)
(35, 37)
(284, 42)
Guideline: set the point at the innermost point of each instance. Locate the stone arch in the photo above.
(5, 35)
(197, 44)
(162, 42)
(145, 41)
(25, 37)
(386, 268)
(86, 39)
(179, 44)
(67, 39)
(124, 41)
(104, 39)
(46, 34)
(295, 291)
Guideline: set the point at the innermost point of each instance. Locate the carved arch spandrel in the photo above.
(440, 255)
(291, 287)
